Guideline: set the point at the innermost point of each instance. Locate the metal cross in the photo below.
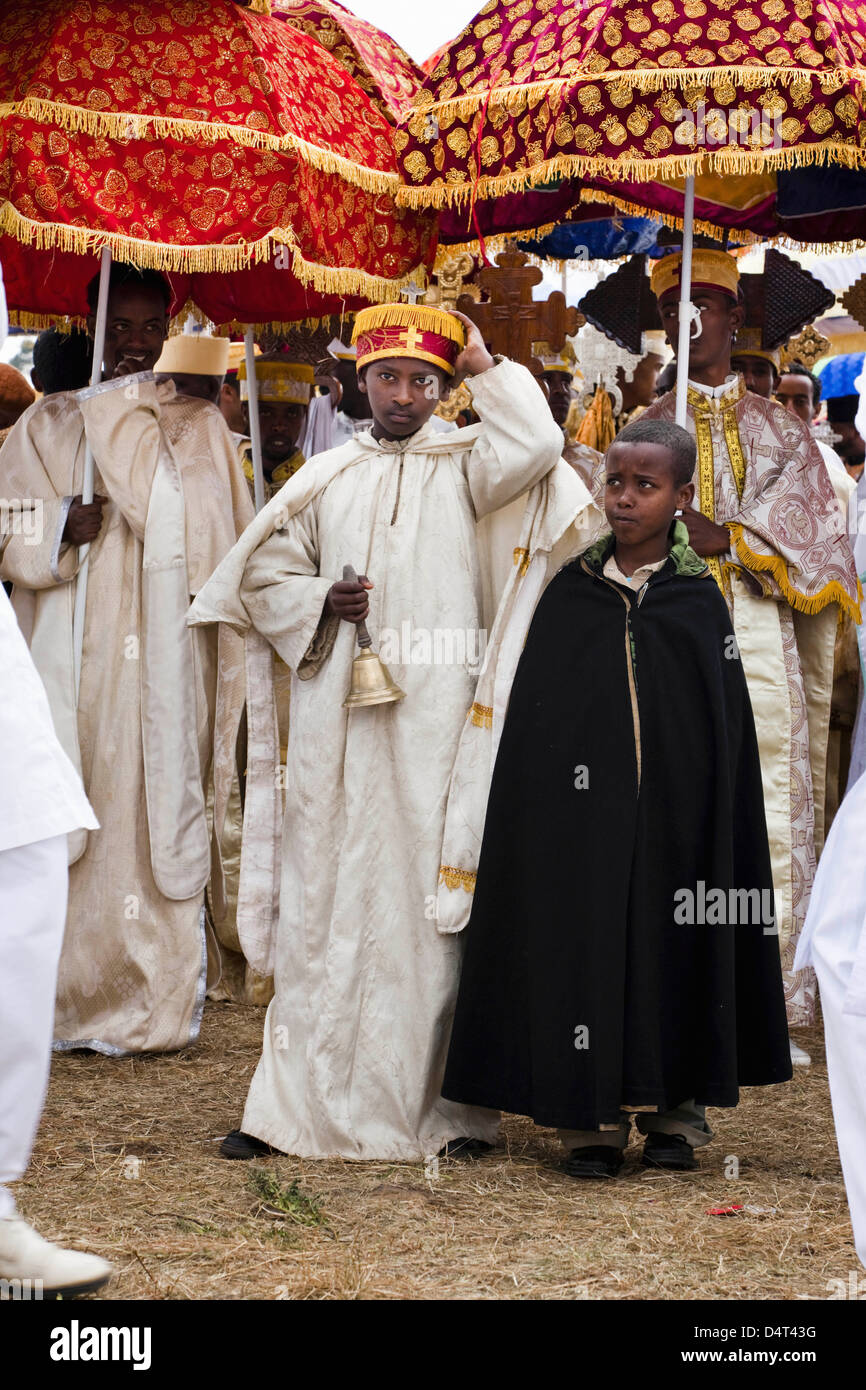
(413, 292)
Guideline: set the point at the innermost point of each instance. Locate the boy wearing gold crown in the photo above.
(766, 519)
(284, 391)
(356, 1036)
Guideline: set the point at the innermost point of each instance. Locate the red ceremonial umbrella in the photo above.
(376, 61)
(200, 138)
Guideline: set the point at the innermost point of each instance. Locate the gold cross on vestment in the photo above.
(412, 338)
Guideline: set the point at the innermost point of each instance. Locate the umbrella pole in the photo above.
(253, 408)
(685, 302)
(89, 470)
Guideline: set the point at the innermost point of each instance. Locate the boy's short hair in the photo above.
(797, 369)
(63, 361)
(121, 275)
(674, 438)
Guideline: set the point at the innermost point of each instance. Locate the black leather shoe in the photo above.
(595, 1161)
(671, 1151)
(239, 1145)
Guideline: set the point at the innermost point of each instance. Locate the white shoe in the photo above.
(799, 1058)
(25, 1255)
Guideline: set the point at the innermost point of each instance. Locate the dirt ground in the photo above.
(126, 1164)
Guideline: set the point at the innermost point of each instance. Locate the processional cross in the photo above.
(413, 292)
(511, 320)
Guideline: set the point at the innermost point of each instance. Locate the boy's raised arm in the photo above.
(520, 442)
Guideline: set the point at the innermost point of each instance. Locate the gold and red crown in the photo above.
(408, 330)
(711, 270)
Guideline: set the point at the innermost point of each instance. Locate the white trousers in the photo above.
(33, 888)
(834, 942)
(834, 952)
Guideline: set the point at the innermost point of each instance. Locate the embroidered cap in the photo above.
(279, 381)
(196, 354)
(237, 353)
(711, 270)
(564, 361)
(408, 330)
(749, 344)
(342, 351)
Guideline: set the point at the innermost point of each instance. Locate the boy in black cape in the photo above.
(621, 954)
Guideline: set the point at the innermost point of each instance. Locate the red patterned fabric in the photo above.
(195, 136)
(378, 64)
(539, 90)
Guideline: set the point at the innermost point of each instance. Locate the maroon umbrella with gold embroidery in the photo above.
(546, 104)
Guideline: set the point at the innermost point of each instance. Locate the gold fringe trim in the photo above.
(502, 241)
(667, 167)
(204, 260)
(427, 318)
(784, 242)
(125, 126)
(457, 878)
(235, 327)
(37, 323)
(481, 716)
(775, 566)
(517, 96)
(671, 219)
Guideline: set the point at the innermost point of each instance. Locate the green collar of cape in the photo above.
(685, 561)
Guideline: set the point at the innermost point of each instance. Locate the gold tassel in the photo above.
(457, 878)
(120, 125)
(775, 565)
(481, 716)
(259, 6)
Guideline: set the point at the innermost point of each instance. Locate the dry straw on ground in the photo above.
(191, 1225)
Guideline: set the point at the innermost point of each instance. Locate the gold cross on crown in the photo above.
(412, 339)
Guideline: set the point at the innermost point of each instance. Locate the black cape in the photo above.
(580, 992)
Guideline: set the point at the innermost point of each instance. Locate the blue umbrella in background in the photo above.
(838, 376)
(606, 239)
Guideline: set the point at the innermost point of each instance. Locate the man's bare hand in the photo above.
(705, 536)
(83, 521)
(128, 366)
(324, 376)
(474, 358)
(349, 601)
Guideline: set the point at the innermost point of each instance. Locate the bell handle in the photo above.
(364, 638)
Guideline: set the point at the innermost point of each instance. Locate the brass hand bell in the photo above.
(371, 680)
